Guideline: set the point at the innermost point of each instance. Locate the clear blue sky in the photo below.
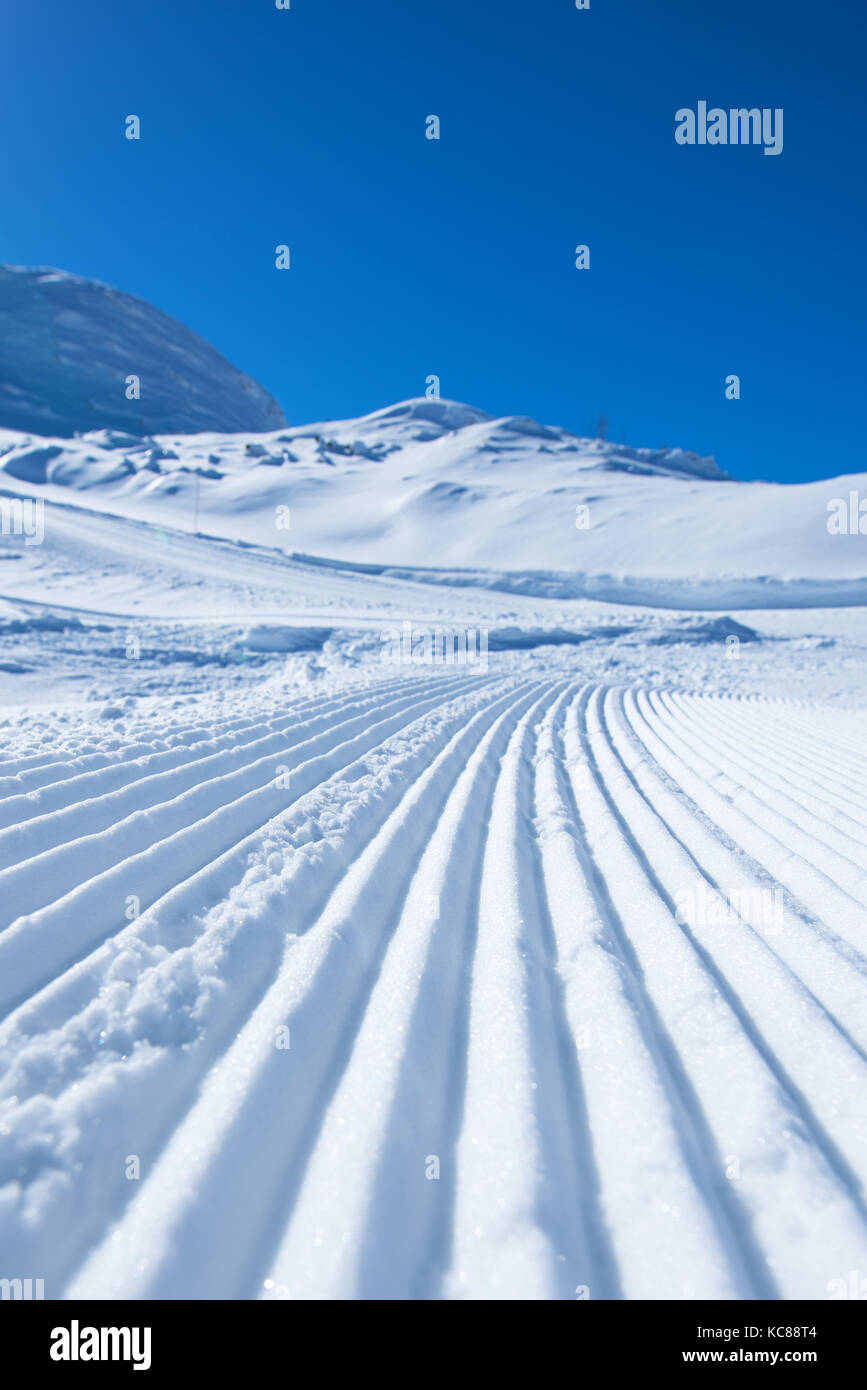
(412, 257)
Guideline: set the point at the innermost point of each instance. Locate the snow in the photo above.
(329, 969)
(68, 346)
(439, 492)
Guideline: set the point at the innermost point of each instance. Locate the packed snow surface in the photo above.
(382, 915)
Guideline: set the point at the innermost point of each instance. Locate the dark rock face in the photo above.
(69, 346)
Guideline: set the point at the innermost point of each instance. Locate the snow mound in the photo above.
(68, 346)
(448, 415)
(707, 630)
(266, 637)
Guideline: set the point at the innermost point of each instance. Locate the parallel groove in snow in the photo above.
(253, 1091)
(515, 927)
(140, 855)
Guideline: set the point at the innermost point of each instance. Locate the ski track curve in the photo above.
(457, 986)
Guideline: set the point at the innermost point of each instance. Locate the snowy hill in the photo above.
(448, 491)
(590, 955)
(561, 935)
(68, 346)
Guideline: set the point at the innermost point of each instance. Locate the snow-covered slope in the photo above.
(325, 975)
(389, 918)
(466, 985)
(442, 487)
(68, 346)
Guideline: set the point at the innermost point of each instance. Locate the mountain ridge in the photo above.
(74, 352)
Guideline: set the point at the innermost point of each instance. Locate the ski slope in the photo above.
(437, 491)
(596, 950)
(334, 969)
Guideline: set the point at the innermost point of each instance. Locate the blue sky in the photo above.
(412, 257)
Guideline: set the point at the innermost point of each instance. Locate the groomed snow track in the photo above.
(460, 986)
